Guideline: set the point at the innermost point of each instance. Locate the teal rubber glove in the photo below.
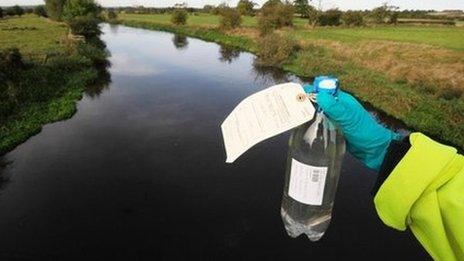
(366, 139)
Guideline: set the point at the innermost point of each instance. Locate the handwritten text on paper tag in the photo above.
(265, 114)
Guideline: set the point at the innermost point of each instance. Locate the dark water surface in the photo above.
(138, 172)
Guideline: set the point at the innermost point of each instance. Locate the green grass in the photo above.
(439, 118)
(44, 92)
(31, 34)
(447, 37)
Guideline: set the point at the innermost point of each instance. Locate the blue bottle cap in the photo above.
(327, 84)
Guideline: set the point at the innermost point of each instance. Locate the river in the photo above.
(138, 172)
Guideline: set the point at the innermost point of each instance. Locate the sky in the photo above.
(326, 4)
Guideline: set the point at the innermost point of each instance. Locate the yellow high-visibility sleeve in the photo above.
(425, 192)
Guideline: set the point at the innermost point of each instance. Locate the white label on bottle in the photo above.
(307, 183)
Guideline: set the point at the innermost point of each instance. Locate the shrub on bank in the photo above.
(40, 11)
(274, 15)
(275, 50)
(11, 60)
(179, 17)
(85, 26)
(330, 17)
(94, 54)
(245, 7)
(111, 15)
(15, 10)
(353, 18)
(230, 18)
(81, 8)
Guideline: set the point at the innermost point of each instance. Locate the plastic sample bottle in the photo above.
(315, 155)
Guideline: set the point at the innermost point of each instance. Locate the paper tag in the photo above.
(263, 115)
(307, 183)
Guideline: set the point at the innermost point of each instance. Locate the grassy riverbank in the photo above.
(399, 70)
(47, 88)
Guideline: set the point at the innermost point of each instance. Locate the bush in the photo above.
(179, 17)
(84, 26)
(230, 18)
(208, 8)
(245, 7)
(81, 8)
(275, 50)
(451, 93)
(40, 11)
(54, 9)
(112, 15)
(95, 54)
(11, 60)
(15, 10)
(379, 14)
(330, 17)
(10, 12)
(313, 15)
(393, 19)
(219, 8)
(302, 7)
(275, 15)
(354, 18)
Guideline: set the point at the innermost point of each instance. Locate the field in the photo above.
(32, 35)
(448, 37)
(413, 73)
(47, 89)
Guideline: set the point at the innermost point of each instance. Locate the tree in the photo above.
(313, 15)
(273, 15)
(208, 8)
(230, 18)
(84, 26)
(17, 10)
(219, 8)
(385, 13)
(40, 11)
(54, 8)
(330, 17)
(302, 7)
(179, 16)
(245, 7)
(112, 15)
(354, 18)
(271, 3)
(380, 14)
(1, 13)
(10, 12)
(78, 8)
(393, 18)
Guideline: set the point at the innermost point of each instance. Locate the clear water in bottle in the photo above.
(316, 151)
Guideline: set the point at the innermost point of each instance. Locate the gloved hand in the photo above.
(366, 139)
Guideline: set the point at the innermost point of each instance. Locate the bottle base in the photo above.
(313, 229)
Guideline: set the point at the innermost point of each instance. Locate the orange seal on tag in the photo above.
(301, 97)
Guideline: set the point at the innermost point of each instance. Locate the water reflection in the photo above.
(180, 41)
(4, 175)
(114, 28)
(269, 73)
(101, 83)
(228, 54)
